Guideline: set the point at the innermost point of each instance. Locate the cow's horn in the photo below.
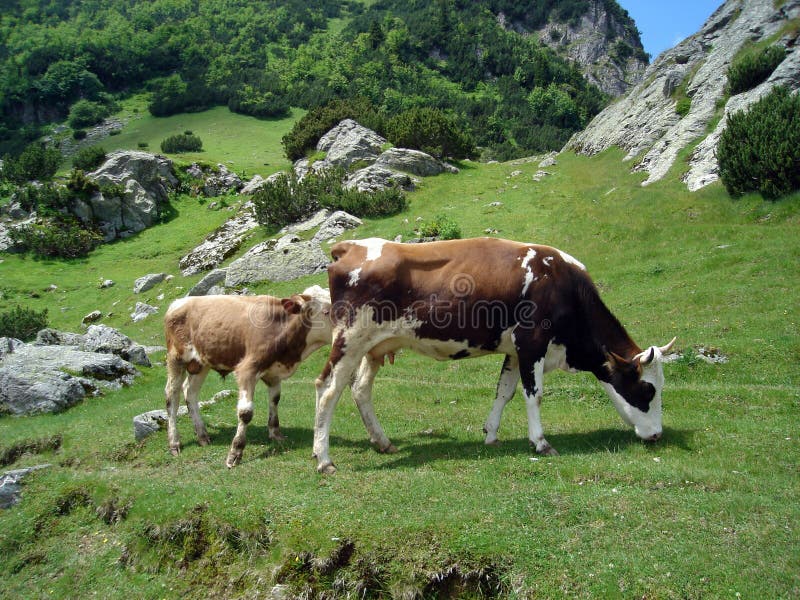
(668, 347)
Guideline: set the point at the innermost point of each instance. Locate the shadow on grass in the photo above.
(423, 448)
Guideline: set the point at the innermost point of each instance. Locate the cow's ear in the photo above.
(291, 306)
(616, 363)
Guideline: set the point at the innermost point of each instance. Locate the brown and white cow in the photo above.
(463, 298)
(255, 337)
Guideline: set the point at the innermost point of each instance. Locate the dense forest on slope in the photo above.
(511, 92)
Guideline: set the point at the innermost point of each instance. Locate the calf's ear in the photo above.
(291, 306)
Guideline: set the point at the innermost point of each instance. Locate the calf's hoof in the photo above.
(326, 468)
(175, 450)
(234, 458)
(203, 440)
(495, 442)
(277, 436)
(544, 448)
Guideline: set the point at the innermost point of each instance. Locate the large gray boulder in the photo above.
(221, 243)
(10, 488)
(143, 181)
(98, 338)
(644, 122)
(334, 226)
(202, 287)
(413, 161)
(40, 379)
(147, 282)
(222, 182)
(350, 142)
(375, 178)
(292, 261)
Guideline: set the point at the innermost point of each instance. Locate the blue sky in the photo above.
(664, 23)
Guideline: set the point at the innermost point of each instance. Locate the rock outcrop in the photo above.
(290, 262)
(645, 123)
(45, 378)
(606, 47)
(136, 184)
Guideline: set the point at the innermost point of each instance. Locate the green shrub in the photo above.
(79, 134)
(249, 100)
(89, 158)
(46, 199)
(760, 148)
(85, 113)
(683, 106)
(286, 199)
(275, 205)
(367, 204)
(182, 142)
(142, 145)
(36, 162)
(432, 131)
(22, 323)
(80, 185)
(318, 121)
(442, 227)
(60, 237)
(753, 68)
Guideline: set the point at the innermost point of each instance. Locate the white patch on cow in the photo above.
(529, 276)
(374, 247)
(176, 304)
(353, 280)
(556, 358)
(645, 424)
(571, 260)
(190, 353)
(280, 370)
(547, 260)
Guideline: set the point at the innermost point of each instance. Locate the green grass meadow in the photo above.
(710, 511)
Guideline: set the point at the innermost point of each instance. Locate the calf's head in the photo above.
(635, 388)
(313, 306)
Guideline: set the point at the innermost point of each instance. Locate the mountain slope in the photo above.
(646, 124)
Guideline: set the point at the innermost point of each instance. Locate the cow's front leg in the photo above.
(506, 386)
(361, 390)
(246, 379)
(274, 390)
(532, 375)
(191, 390)
(335, 376)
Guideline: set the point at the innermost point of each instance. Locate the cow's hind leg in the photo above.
(191, 390)
(531, 370)
(274, 391)
(361, 390)
(176, 373)
(246, 380)
(506, 386)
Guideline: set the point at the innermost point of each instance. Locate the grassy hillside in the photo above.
(710, 511)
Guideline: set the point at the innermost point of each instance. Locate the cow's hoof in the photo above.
(233, 460)
(495, 442)
(277, 437)
(390, 449)
(326, 468)
(545, 449)
(175, 450)
(203, 440)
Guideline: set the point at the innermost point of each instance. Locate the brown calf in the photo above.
(255, 337)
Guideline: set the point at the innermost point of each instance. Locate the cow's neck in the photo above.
(605, 334)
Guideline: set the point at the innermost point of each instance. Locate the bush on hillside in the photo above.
(432, 131)
(22, 323)
(442, 227)
(287, 199)
(85, 113)
(175, 144)
(47, 199)
(249, 100)
(760, 148)
(89, 158)
(753, 68)
(36, 162)
(59, 237)
(318, 121)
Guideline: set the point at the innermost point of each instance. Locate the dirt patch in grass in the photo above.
(10, 454)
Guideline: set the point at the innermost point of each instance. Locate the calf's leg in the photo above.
(506, 386)
(191, 390)
(274, 391)
(246, 380)
(176, 373)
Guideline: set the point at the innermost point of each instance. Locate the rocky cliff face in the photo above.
(645, 122)
(608, 50)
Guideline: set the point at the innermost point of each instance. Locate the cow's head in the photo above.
(314, 307)
(635, 387)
